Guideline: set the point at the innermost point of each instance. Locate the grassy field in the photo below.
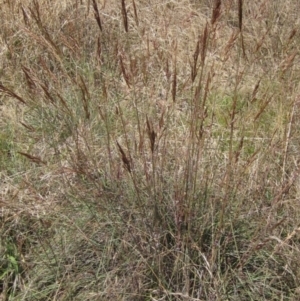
(149, 150)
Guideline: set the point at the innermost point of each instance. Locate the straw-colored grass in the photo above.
(149, 150)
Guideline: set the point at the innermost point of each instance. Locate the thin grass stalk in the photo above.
(194, 66)
(99, 50)
(151, 134)
(25, 16)
(193, 156)
(124, 15)
(30, 82)
(32, 158)
(262, 40)
(152, 139)
(140, 146)
(124, 72)
(230, 45)
(140, 130)
(85, 97)
(104, 117)
(174, 82)
(203, 108)
(237, 153)
(240, 16)
(195, 113)
(288, 62)
(167, 70)
(65, 105)
(263, 107)
(28, 127)
(290, 39)
(34, 83)
(36, 15)
(97, 15)
(128, 160)
(48, 95)
(52, 54)
(229, 168)
(254, 92)
(164, 150)
(135, 13)
(204, 44)
(45, 67)
(216, 13)
(288, 138)
(200, 133)
(10, 93)
(240, 10)
(197, 94)
(286, 186)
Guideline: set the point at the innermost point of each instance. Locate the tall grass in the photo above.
(149, 150)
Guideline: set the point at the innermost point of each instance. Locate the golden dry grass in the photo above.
(149, 150)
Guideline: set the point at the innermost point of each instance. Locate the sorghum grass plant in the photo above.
(149, 150)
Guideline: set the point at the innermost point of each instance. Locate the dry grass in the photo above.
(149, 150)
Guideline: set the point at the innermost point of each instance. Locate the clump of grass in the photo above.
(154, 151)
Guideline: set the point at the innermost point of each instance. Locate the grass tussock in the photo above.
(149, 150)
